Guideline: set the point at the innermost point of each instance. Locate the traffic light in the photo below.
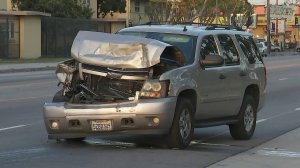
(296, 20)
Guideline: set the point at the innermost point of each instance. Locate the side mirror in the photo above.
(212, 60)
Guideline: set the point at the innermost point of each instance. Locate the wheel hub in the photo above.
(185, 124)
(249, 118)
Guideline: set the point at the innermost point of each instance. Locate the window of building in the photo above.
(85, 2)
(229, 51)
(137, 5)
(12, 30)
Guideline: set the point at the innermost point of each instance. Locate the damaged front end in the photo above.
(115, 70)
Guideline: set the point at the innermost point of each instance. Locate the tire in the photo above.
(244, 128)
(277, 50)
(182, 129)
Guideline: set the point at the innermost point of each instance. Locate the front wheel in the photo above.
(245, 127)
(182, 129)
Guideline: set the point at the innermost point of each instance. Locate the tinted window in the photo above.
(208, 46)
(185, 43)
(248, 46)
(229, 51)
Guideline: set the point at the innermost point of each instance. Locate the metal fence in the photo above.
(58, 33)
(9, 37)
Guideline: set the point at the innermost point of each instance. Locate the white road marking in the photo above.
(13, 127)
(21, 153)
(29, 84)
(259, 121)
(212, 144)
(282, 79)
(25, 98)
(279, 153)
(297, 109)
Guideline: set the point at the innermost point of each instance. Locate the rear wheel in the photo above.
(245, 127)
(183, 125)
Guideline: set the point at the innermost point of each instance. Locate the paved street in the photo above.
(24, 143)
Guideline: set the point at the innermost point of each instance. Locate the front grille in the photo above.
(116, 88)
(123, 71)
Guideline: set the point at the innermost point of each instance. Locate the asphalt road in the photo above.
(24, 143)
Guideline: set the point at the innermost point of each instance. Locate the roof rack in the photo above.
(208, 26)
(226, 27)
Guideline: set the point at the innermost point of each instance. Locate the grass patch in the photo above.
(38, 60)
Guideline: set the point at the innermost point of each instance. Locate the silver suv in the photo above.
(158, 79)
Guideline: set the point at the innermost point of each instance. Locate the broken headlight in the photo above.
(155, 89)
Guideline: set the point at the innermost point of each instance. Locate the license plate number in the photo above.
(101, 125)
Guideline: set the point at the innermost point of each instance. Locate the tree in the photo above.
(202, 11)
(237, 12)
(110, 6)
(57, 8)
(158, 11)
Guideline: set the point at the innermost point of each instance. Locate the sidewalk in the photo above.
(27, 67)
(281, 152)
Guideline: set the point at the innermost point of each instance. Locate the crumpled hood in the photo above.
(119, 51)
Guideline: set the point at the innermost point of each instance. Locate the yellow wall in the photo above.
(3, 4)
(6, 5)
(116, 26)
(93, 5)
(30, 37)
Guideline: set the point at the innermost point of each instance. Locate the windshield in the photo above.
(184, 42)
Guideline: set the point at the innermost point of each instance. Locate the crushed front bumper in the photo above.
(135, 117)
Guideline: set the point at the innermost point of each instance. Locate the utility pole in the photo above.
(128, 12)
(217, 12)
(268, 27)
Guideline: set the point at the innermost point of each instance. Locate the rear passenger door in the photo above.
(234, 74)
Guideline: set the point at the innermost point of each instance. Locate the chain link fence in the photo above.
(58, 33)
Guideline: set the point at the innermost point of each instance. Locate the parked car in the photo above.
(298, 48)
(158, 79)
(262, 48)
(274, 48)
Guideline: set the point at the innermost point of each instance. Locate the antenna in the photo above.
(184, 29)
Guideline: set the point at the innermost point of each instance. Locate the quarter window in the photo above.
(248, 46)
(229, 51)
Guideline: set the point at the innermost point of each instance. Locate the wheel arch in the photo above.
(189, 94)
(253, 90)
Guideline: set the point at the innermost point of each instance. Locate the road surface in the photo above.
(24, 143)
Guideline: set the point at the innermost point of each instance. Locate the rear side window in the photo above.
(229, 51)
(248, 46)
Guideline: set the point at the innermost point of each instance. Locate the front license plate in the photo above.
(101, 125)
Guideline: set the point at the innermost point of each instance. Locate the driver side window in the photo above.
(208, 47)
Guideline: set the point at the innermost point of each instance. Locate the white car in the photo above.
(262, 48)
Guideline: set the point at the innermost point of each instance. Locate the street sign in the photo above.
(282, 11)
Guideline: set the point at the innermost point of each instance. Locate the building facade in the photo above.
(283, 31)
(135, 11)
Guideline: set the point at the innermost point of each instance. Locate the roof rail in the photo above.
(208, 26)
(226, 27)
